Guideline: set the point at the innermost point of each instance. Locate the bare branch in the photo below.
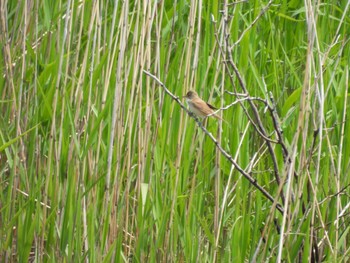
(257, 123)
(252, 180)
(259, 127)
(238, 2)
(262, 12)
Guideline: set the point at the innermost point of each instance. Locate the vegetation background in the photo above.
(99, 164)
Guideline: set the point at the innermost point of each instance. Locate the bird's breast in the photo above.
(196, 109)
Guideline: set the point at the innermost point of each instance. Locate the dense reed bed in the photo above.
(100, 163)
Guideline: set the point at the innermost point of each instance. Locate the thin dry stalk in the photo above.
(186, 57)
(340, 159)
(302, 121)
(53, 131)
(217, 221)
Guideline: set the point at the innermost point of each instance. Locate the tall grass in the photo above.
(98, 163)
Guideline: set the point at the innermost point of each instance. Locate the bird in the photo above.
(199, 107)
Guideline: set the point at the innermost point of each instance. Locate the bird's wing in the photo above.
(211, 106)
(202, 106)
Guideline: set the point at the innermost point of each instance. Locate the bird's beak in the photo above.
(184, 96)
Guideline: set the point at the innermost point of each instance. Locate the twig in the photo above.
(239, 101)
(238, 2)
(262, 12)
(236, 94)
(259, 127)
(226, 154)
(28, 196)
(274, 116)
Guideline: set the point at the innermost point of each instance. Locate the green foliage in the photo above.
(98, 163)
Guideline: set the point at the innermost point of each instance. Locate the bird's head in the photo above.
(191, 95)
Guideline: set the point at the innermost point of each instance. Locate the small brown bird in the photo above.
(200, 107)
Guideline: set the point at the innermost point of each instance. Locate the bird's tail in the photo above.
(219, 118)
